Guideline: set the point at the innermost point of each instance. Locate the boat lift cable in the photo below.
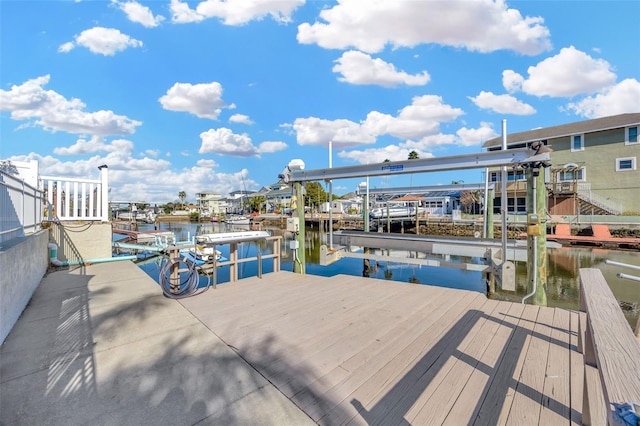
(188, 287)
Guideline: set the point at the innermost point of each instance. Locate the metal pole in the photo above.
(503, 205)
(299, 267)
(331, 197)
(367, 225)
(485, 231)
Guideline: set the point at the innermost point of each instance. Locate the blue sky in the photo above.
(218, 95)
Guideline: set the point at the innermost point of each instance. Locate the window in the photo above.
(577, 143)
(624, 164)
(520, 205)
(631, 135)
(511, 176)
(571, 172)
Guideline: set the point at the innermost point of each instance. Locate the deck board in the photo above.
(352, 350)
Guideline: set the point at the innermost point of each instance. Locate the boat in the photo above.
(394, 212)
(201, 254)
(238, 220)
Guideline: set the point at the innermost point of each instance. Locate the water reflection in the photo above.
(562, 281)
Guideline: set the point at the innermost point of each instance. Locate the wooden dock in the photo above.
(350, 350)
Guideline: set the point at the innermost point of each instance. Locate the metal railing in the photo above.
(21, 207)
(77, 198)
(605, 203)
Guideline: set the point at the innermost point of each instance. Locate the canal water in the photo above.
(562, 279)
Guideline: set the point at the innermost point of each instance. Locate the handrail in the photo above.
(611, 352)
(587, 194)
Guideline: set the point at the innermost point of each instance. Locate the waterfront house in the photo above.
(593, 166)
(209, 203)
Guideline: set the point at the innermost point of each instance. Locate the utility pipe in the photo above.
(53, 258)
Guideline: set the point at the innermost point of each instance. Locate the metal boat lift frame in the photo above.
(502, 158)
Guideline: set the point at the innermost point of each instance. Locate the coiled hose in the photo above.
(186, 288)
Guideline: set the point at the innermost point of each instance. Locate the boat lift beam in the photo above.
(511, 157)
(430, 188)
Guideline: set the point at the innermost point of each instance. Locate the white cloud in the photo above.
(272, 146)
(240, 118)
(569, 73)
(155, 153)
(622, 98)
(203, 100)
(139, 13)
(343, 133)
(503, 104)
(476, 137)
(54, 112)
(512, 81)
(95, 144)
(483, 26)
(360, 68)
(224, 141)
(181, 13)
(235, 12)
(421, 118)
(207, 163)
(105, 41)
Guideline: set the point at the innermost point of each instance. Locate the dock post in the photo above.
(537, 256)
(489, 215)
(299, 266)
(174, 271)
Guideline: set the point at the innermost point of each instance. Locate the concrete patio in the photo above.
(100, 345)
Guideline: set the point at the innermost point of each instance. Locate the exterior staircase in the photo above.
(597, 204)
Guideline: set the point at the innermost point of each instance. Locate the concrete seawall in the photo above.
(23, 262)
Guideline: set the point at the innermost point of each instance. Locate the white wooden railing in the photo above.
(21, 207)
(77, 198)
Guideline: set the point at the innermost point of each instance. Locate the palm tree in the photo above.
(182, 195)
(413, 155)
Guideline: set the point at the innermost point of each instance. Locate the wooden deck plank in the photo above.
(447, 380)
(397, 393)
(362, 367)
(577, 368)
(497, 402)
(452, 377)
(321, 322)
(527, 401)
(344, 335)
(366, 358)
(390, 363)
(359, 350)
(340, 357)
(470, 399)
(556, 400)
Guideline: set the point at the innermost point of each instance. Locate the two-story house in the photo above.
(209, 203)
(593, 169)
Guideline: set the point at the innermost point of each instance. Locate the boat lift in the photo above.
(521, 157)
